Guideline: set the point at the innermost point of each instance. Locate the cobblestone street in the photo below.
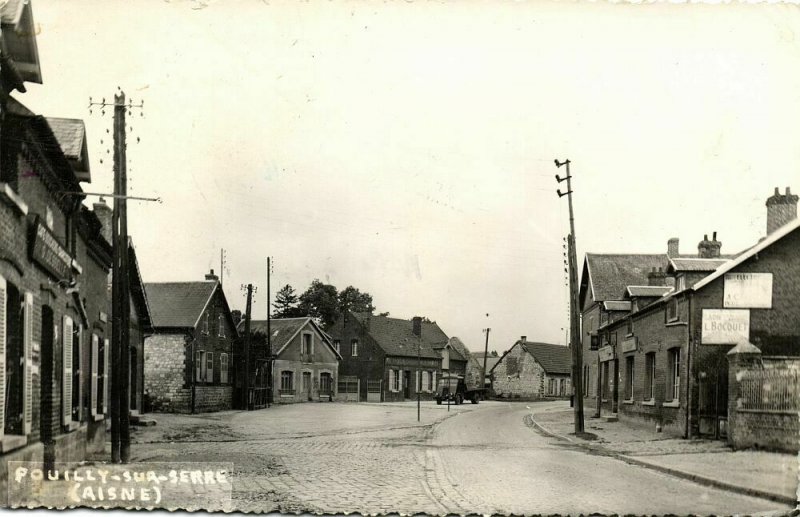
(376, 458)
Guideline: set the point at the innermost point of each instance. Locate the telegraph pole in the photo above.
(120, 285)
(575, 337)
(269, 334)
(485, 353)
(246, 384)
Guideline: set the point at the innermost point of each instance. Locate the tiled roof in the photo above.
(71, 135)
(11, 11)
(611, 274)
(457, 346)
(614, 305)
(695, 264)
(771, 239)
(654, 291)
(553, 358)
(491, 360)
(396, 337)
(282, 329)
(178, 304)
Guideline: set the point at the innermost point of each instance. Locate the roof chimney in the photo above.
(656, 277)
(416, 326)
(104, 213)
(672, 247)
(709, 248)
(781, 209)
(523, 339)
(211, 276)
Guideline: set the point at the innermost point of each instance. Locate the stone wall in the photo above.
(518, 375)
(213, 398)
(165, 365)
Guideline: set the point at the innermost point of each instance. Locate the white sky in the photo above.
(407, 148)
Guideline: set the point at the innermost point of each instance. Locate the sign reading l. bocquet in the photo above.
(748, 291)
(725, 326)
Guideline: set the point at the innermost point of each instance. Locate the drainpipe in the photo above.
(689, 341)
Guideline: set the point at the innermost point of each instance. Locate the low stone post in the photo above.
(743, 356)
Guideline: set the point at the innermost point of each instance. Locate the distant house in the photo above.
(533, 370)
(306, 366)
(490, 359)
(472, 369)
(187, 362)
(388, 359)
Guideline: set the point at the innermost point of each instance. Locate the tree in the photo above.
(351, 299)
(285, 304)
(321, 301)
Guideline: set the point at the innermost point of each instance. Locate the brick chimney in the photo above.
(781, 209)
(416, 326)
(672, 247)
(709, 248)
(104, 213)
(211, 276)
(523, 339)
(657, 277)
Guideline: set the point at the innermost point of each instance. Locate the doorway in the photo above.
(307, 384)
(407, 384)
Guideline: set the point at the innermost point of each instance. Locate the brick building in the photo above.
(53, 267)
(187, 361)
(390, 359)
(661, 359)
(306, 364)
(531, 370)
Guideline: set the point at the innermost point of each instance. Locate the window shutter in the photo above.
(391, 380)
(3, 294)
(434, 380)
(210, 371)
(399, 374)
(106, 374)
(95, 351)
(27, 396)
(80, 372)
(66, 380)
(418, 385)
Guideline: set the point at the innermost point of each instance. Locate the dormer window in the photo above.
(680, 283)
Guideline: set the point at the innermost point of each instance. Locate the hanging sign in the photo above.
(48, 252)
(748, 290)
(606, 353)
(725, 326)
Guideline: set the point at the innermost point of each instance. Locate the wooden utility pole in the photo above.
(575, 335)
(246, 383)
(485, 354)
(120, 286)
(269, 335)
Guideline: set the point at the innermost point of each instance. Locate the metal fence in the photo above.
(773, 390)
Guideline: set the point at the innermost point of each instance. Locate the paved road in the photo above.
(339, 458)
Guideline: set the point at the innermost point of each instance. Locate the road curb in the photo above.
(696, 478)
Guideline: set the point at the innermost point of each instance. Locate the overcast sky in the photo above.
(407, 148)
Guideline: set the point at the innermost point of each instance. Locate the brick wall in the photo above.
(165, 366)
(410, 364)
(213, 398)
(369, 364)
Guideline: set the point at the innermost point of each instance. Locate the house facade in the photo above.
(305, 365)
(530, 370)
(53, 267)
(389, 359)
(665, 361)
(187, 360)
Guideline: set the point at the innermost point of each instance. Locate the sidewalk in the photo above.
(769, 475)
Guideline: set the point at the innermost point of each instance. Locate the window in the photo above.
(680, 283)
(209, 377)
(629, 377)
(337, 345)
(650, 376)
(426, 381)
(221, 325)
(16, 328)
(287, 381)
(205, 323)
(550, 387)
(307, 345)
(198, 365)
(672, 310)
(674, 374)
(594, 342)
(325, 383)
(354, 347)
(395, 382)
(223, 368)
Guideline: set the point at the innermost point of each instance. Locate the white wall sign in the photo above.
(748, 290)
(629, 345)
(725, 326)
(606, 353)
